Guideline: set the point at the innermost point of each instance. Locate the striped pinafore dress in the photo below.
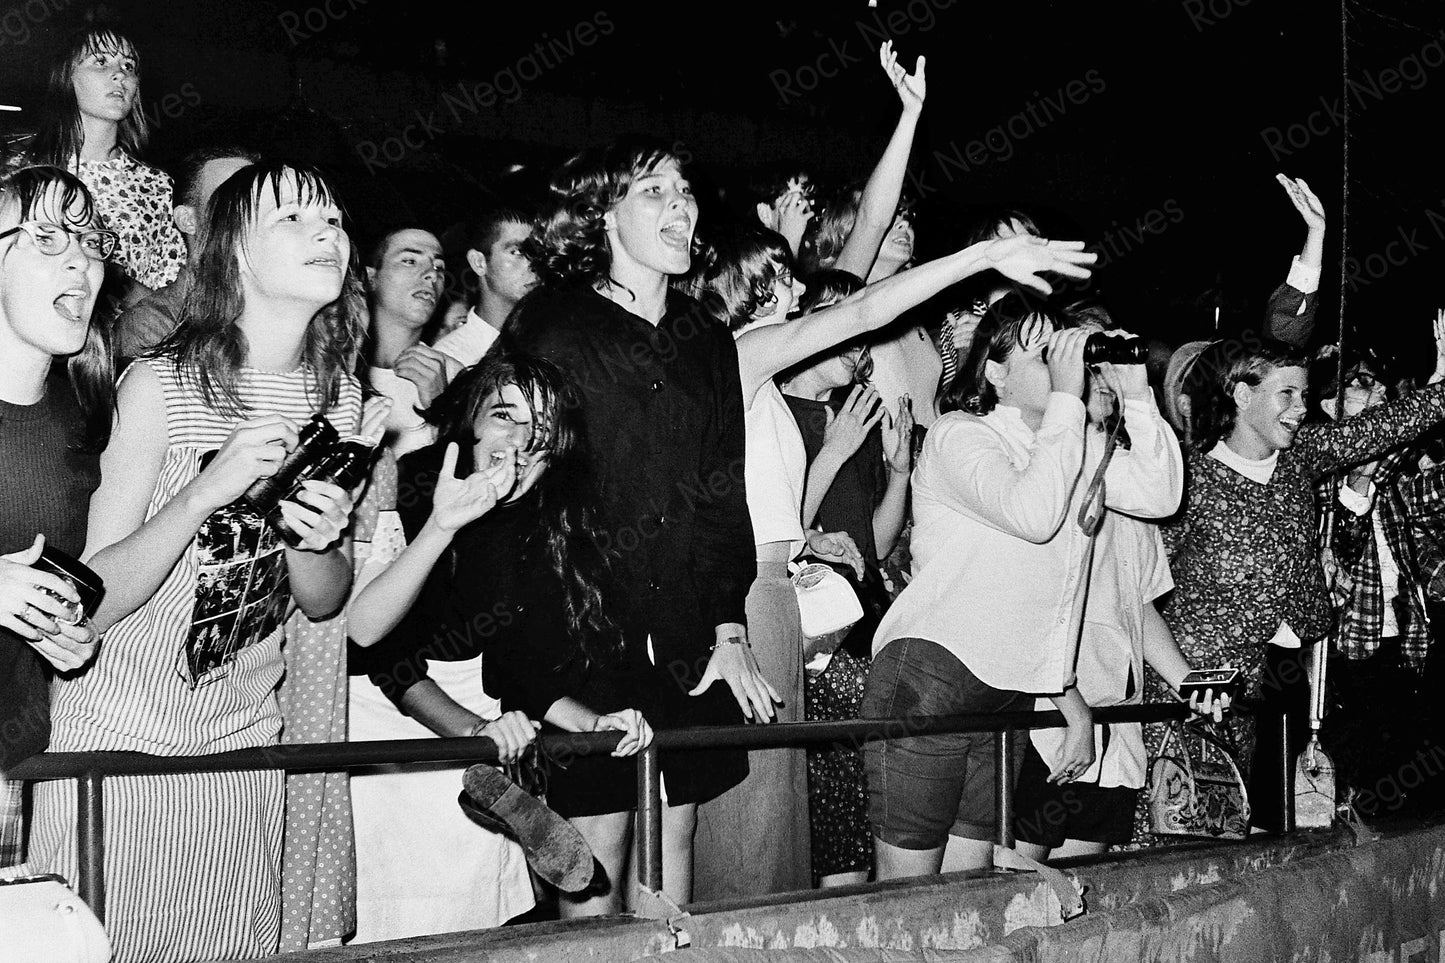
(192, 862)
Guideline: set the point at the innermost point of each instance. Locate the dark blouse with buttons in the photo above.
(664, 413)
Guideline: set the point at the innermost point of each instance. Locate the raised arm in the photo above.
(765, 351)
(892, 510)
(1290, 315)
(1330, 447)
(1145, 480)
(843, 435)
(1029, 503)
(381, 605)
(885, 184)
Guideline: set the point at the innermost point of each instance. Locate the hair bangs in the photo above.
(104, 41)
(46, 193)
(312, 190)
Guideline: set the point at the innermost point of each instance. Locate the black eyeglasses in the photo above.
(54, 240)
(1362, 380)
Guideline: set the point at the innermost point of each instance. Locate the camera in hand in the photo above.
(89, 587)
(1222, 681)
(1100, 348)
(322, 455)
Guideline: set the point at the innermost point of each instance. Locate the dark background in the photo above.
(1164, 156)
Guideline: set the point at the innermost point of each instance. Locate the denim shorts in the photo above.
(922, 789)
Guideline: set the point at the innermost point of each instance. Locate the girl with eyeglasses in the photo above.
(93, 126)
(199, 586)
(55, 396)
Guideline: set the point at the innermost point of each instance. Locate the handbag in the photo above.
(1195, 787)
(828, 606)
(41, 918)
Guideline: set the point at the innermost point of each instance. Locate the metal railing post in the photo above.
(90, 834)
(1003, 749)
(1286, 774)
(649, 819)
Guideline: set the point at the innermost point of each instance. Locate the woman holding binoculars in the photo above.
(1004, 517)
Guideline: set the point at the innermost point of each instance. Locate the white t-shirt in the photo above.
(406, 430)
(470, 342)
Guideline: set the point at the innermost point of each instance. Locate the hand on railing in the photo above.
(630, 721)
(512, 733)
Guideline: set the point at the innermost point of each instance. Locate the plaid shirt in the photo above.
(1411, 512)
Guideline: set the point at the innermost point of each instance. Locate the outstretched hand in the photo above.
(846, 430)
(898, 438)
(1024, 257)
(912, 88)
(1304, 201)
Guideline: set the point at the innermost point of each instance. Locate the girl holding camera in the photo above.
(1249, 588)
(54, 420)
(197, 586)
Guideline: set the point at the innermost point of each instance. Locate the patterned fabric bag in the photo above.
(1195, 787)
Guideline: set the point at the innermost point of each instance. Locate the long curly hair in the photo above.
(208, 345)
(569, 531)
(60, 135)
(569, 244)
(39, 192)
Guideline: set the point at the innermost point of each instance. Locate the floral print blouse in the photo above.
(134, 199)
(1243, 554)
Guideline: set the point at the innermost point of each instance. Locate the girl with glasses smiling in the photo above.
(54, 419)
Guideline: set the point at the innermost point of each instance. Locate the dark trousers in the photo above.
(1285, 687)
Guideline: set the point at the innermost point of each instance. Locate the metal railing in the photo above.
(90, 769)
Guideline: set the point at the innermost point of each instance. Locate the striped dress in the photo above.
(192, 867)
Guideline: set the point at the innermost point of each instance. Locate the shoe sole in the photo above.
(554, 847)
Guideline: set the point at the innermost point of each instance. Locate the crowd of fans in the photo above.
(587, 490)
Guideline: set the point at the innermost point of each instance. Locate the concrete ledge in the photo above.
(964, 911)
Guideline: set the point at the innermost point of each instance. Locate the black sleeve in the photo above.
(448, 623)
(416, 481)
(723, 548)
(1285, 319)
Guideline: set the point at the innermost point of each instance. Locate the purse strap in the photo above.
(1209, 735)
(1175, 734)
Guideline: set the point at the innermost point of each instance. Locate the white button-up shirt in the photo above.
(1000, 563)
